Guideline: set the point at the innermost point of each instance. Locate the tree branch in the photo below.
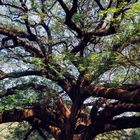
(63, 107)
(69, 14)
(99, 4)
(20, 74)
(113, 93)
(123, 123)
(40, 115)
(28, 133)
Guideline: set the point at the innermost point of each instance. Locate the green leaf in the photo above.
(136, 7)
(112, 10)
(77, 17)
(24, 16)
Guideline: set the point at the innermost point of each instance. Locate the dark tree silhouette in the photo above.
(87, 49)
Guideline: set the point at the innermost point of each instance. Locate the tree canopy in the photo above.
(70, 68)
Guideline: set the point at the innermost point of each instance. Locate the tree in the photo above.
(70, 68)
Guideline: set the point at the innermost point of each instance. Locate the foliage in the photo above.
(70, 68)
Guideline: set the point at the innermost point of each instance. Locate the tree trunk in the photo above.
(75, 137)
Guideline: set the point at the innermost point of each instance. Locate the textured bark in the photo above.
(114, 93)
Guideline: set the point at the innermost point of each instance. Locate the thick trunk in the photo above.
(75, 137)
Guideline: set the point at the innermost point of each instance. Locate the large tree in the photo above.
(70, 67)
